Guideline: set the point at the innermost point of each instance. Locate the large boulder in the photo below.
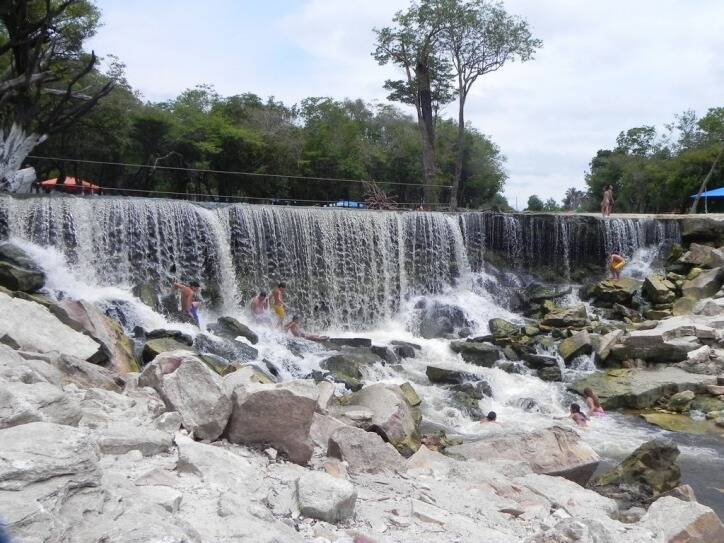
(698, 228)
(552, 451)
(677, 521)
(154, 347)
(670, 341)
(479, 353)
(364, 452)
(616, 291)
(78, 372)
(49, 479)
(394, 418)
(576, 345)
(607, 341)
(117, 346)
(122, 438)
(647, 472)
(188, 386)
(438, 320)
(704, 285)
(22, 403)
(703, 256)
(34, 328)
(659, 290)
(279, 415)
(444, 376)
(346, 367)
(18, 271)
(500, 328)
(640, 389)
(323, 497)
(230, 349)
(564, 317)
(231, 328)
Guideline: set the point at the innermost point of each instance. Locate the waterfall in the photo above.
(344, 268)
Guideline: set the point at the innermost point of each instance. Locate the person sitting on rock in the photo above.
(293, 328)
(492, 416)
(593, 403)
(259, 305)
(576, 416)
(615, 265)
(188, 303)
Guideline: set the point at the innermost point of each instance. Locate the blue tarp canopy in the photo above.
(716, 193)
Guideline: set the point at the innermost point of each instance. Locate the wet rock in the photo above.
(364, 452)
(637, 388)
(385, 353)
(117, 346)
(703, 256)
(626, 313)
(575, 317)
(188, 386)
(393, 417)
(478, 353)
(49, 479)
(232, 350)
(231, 328)
(148, 293)
(410, 395)
(659, 290)
(576, 345)
(22, 403)
(647, 472)
(677, 521)
(443, 376)
(346, 367)
(550, 373)
(349, 342)
(154, 347)
(218, 364)
(324, 497)
(538, 293)
(681, 401)
(279, 415)
(404, 349)
(539, 361)
(705, 285)
(46, 333)
(500, 328)
(174, 334)
(438, 320)
(616, 291)
(552, 451)
(18, 271)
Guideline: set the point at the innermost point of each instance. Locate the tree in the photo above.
(713, 126)
(535, 203)
(573, 199)
(550, 205)
(47, 82)
(412, 44)
(480, 37)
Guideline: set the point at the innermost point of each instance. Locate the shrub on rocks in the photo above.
(279, 415)
(323, 497)
(189, 387)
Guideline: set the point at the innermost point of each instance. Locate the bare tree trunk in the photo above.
(455, 191)
(427, 131)
(706, 180)
(15, 146)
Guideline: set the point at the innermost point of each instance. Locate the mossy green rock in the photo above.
(502, 328)
(616, 291)
(576, 345)
(674, 422)
(153, 347)
(410, 395)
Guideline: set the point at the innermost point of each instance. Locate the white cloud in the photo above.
(604, 67)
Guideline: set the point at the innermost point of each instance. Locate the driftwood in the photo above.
(376, 198)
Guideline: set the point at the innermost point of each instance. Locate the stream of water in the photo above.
(352, 273)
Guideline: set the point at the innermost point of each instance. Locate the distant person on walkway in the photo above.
(607, 202)
(278, 304)
(593, 403)
(576, 416)
(615, 264)
(259, 305)
(293, 327)
(189, 303)
(490, 417)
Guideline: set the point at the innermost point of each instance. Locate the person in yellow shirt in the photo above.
(615, 265)
(278, 305)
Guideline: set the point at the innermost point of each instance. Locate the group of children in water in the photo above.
(593, 406)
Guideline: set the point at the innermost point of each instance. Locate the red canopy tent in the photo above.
(71, 185)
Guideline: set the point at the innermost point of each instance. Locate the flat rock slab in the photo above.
(640, 389)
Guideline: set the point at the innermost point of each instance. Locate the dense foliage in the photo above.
(657, 171)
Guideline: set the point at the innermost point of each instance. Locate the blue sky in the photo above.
(605, 66)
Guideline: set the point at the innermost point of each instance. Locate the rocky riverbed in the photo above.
(110, 433)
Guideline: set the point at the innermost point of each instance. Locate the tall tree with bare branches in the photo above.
(45, 76)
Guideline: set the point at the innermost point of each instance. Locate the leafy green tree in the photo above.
(535, 203)
(480, 37)
(551, 205)
(573, 199)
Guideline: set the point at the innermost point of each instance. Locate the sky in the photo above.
(605, 66)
